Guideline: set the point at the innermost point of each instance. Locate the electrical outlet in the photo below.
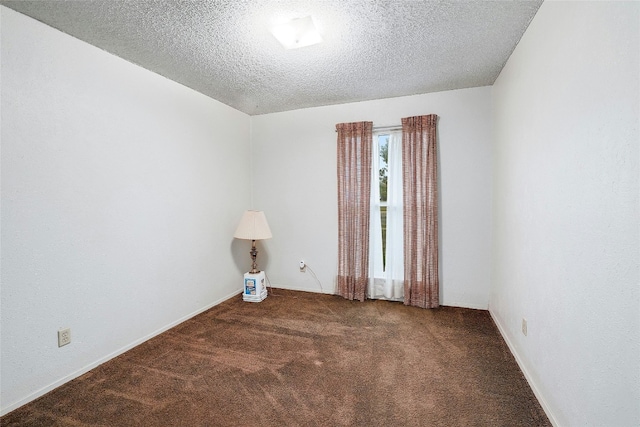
(64, 337)
(524, 326)
(302, 265)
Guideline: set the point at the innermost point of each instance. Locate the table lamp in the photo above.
(253, 226)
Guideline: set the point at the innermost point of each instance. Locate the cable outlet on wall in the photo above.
(524, 326)
(64, 337)
(302, 265)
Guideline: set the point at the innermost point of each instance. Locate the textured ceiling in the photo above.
(372, 48)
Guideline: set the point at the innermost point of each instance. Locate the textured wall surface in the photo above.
(566, 225)
(371, 49)
(295, 184)
(117, 216)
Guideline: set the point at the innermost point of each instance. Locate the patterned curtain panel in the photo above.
(354, 187)
(420, 190)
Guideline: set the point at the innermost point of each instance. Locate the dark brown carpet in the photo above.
(304, 359)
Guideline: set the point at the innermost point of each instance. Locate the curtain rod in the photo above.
(383, 128)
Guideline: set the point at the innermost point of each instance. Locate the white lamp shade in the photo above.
(253, 226)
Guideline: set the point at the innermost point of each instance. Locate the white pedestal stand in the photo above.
(254, 287)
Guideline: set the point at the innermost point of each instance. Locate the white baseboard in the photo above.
(331, 292)
(79, 372)
(303, 289)
(465, 305)
(527, 375)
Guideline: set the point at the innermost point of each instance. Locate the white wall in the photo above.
(295, 184)
(120, 194)
(566, 217)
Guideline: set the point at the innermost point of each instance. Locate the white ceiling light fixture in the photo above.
(297, 33)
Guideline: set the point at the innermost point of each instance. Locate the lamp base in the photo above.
(254, 287)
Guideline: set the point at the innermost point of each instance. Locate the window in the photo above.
(383, 174)
(385, 243)
(405, 163)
